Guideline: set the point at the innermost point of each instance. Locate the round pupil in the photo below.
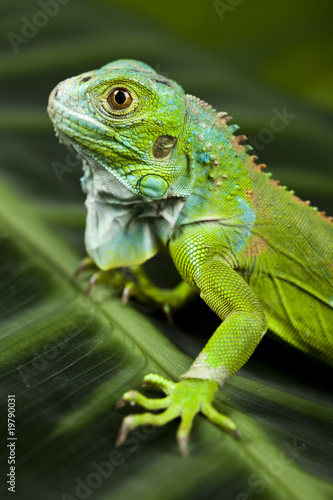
(120, 97)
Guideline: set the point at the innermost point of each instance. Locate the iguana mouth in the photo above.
(71, 139)
(65, 140)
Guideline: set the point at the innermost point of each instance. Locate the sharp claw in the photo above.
(122, 402)
(79, 270)
(83, 266)
(183, 445)
(124, 430)
(92, 283)
(127, 292)
(128, 397)
(236, 434)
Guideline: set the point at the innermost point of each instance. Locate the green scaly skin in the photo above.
(163, 171)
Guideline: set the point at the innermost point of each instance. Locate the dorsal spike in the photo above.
(276, 182)
(240, 138)
(233, 128)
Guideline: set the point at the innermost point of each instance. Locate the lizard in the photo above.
(164, 171)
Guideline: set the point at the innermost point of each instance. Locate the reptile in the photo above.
(164, 171)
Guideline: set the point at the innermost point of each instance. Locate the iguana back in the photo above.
(289, 265)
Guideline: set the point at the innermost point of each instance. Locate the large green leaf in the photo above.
(68, 357)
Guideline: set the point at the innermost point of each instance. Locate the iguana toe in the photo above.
(183, 400)
(84, 265)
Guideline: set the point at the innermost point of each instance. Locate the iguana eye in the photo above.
(120, 99)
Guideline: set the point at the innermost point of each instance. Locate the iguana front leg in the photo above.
(134, 282)
(244, 322)
(243, 326)
(146, 292)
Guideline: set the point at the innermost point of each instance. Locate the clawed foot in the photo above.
(183, 399)
(116, 278)
(134, 282)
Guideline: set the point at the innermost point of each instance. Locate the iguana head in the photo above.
(127, 119)
(126, 122)
(153, 158)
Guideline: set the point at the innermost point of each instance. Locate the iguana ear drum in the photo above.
(163, 146)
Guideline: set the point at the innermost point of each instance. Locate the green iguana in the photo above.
(164, 171)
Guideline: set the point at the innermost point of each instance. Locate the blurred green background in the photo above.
(251, 58)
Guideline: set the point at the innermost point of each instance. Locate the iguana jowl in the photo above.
(163, 170)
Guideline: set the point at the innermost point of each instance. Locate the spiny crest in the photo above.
(238, 141)
(202, 103)
(323, 215)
